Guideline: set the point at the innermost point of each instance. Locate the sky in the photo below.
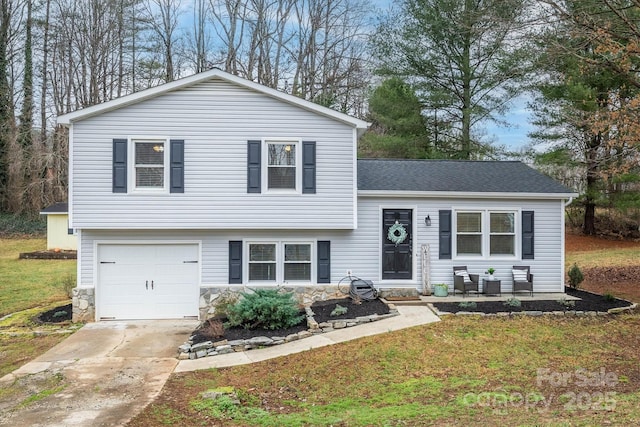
(515, 136)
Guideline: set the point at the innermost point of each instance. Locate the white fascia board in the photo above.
(68, 119)
(463, 195)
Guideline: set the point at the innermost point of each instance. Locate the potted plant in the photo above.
(491, 270)
(440, 289)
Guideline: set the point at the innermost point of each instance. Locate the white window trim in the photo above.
(264, 167)
(486, 234)
(131, 168)
(280, 261)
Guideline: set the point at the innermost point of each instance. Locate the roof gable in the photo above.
(134, 98)
(457, 176)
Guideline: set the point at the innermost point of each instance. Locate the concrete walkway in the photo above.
(409, 316)
(107, 372)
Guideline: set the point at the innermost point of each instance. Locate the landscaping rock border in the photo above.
(568, 313)
(189, 350)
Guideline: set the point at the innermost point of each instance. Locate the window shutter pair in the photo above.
(323, 265)
(445, 234)
(176, 165)
(254, 164)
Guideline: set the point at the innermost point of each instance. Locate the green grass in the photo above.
(603, 258)
(28, 283)
(461, 371)
(28, 288)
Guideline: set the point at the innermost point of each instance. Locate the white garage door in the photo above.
(147, 281)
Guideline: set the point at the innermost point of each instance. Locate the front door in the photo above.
(397, 234)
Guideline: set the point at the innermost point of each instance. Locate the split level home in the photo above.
(212, 184)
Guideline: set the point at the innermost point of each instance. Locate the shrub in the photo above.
(265, 309)
(467, 304)
(67, 283)
(22, 225)
(575, 276)
(338, 311)
(212, 328)
(566, 303)
(512, 302)
(609, 297)
(223, 302)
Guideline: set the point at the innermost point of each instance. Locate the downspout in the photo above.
(568, 202)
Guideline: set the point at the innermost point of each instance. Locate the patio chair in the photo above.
(522, 279)
(463, 281)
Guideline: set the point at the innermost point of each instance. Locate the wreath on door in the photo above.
(397, 233)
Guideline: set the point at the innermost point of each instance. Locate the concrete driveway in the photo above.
(102, 375)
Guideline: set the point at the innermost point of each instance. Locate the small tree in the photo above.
(575, 276)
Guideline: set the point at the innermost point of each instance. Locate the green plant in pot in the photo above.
(491, 270)
(440, 289)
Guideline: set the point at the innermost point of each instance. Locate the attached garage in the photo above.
(147, 281)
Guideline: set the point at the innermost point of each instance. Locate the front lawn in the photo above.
(29, 283)
(27, 288)
(461, 371)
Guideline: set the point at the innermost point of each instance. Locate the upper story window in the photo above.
(149, 171)
(485, 233)
(282, 165)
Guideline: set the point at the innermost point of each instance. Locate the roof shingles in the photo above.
(454, 176)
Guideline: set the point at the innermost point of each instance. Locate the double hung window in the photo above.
(282, 165)
(279, 262)
(485, 233)
(149, 164)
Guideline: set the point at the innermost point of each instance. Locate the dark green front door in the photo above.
(397, 235)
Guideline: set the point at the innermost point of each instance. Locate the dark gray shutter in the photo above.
(176, 164)
(444, 250)
(324, 261)
(119, 166)
(309, 167)
(235, 261)
(527, 235)
(254, 150)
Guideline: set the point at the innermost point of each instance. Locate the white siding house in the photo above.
(214, 183)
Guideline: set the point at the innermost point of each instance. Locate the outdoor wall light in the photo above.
(427, 221)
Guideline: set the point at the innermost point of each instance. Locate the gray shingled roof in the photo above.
(454, 176)
(56, 208)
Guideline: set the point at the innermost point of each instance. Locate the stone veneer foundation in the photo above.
(84, 307)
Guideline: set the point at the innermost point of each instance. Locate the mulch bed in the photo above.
(322, 313)
(63, 254)
(64, 313)
(587, 302)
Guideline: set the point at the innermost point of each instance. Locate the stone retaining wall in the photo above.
(189, 350)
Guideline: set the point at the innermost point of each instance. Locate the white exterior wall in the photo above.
(215, 119)
(360, 250)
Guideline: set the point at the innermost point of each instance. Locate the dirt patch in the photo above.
(581, 243)
(322, 312)
(621, 282)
